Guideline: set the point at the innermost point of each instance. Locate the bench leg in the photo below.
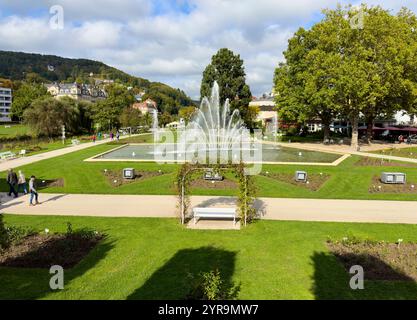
(195, 220)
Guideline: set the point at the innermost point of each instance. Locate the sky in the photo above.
(170, 41)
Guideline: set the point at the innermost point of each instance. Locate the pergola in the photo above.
(246, 191)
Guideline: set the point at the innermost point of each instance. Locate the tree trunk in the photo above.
(369, 129)
(326, 130)
(355, 132)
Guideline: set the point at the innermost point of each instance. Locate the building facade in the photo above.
(148, 106)
(5, 104)
(76, 91)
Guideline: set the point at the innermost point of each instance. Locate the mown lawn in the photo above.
(154, 258)
(403, 152)
(346, 181)
(14, 130)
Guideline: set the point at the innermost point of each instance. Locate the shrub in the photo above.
(211, 286)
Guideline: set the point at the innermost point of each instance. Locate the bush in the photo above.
(210, 286)
(11, 235)
(3, 234)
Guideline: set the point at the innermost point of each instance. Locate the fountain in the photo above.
(275, 127)
(215, 130)
(155, 128)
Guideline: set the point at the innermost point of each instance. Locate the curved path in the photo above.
(165, 207)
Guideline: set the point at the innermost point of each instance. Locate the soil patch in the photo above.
(115, 178)
(380, 261)
(51, 183)
(200, 183)
(314, 181)
(44, 251)
(378, 187)
(374, 162)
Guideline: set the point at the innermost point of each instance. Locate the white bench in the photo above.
(214, 213)
(22, 153)
(7, 155)
(75, 142)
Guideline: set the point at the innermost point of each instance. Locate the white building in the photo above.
(267, 110)
(5, 104)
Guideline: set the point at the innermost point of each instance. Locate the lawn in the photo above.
(403, 152)
(14, 130)
(153, 259)
(346, 181)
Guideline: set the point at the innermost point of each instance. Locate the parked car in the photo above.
(413, 139)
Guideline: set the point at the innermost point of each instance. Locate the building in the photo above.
(5, 104)
(148, 106)
(267, 110)
(76, 91)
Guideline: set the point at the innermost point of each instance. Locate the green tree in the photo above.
(131, 117)
(339, 68)
(46, 116)
(186, 113)
(227, 69)
(165, 118)
(105, 115)
(23, 97)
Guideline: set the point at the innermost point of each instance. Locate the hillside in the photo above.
(49, 68)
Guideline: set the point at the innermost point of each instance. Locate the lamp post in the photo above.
(63, 134)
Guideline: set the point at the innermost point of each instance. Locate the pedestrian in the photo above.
(33, 191)
(12, 182)
(117, 136)
(21, 183)
(99, 135)
(94, 138)
(111, 136)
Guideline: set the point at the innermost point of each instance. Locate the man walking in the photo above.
(12, 182)
(32, 190)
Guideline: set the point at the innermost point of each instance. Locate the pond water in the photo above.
(270, 153)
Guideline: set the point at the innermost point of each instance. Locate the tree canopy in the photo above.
(354, 63)
(227, 69)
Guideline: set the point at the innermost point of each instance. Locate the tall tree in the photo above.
(227, 69)
(339, 67)
(23, 97)
(46, 116)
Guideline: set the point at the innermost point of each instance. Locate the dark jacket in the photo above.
(12, 178)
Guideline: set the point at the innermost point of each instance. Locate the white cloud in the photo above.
(164, 43)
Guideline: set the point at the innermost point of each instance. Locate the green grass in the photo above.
(14, 130)
(347, 181)
(404, 152)
(152, 258)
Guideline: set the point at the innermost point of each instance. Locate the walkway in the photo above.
(165, 207)
(18, 162)
(348, 150)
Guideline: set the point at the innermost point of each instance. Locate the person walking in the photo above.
(21, 183)
(117, 136)
(12, 182)
(111, 136)
(94, 138)
(32, 190)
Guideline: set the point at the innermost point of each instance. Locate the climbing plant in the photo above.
(246, 192)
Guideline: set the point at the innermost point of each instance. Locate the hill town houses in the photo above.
(77, 91)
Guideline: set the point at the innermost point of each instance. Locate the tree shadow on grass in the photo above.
(174, 280)
(331, 280)
(33, 283)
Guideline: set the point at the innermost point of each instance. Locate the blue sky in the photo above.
(170, 41)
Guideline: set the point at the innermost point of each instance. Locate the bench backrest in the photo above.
(215, 210)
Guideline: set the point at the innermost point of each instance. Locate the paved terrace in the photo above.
(165, 207)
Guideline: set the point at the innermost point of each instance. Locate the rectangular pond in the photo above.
(270, 154)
